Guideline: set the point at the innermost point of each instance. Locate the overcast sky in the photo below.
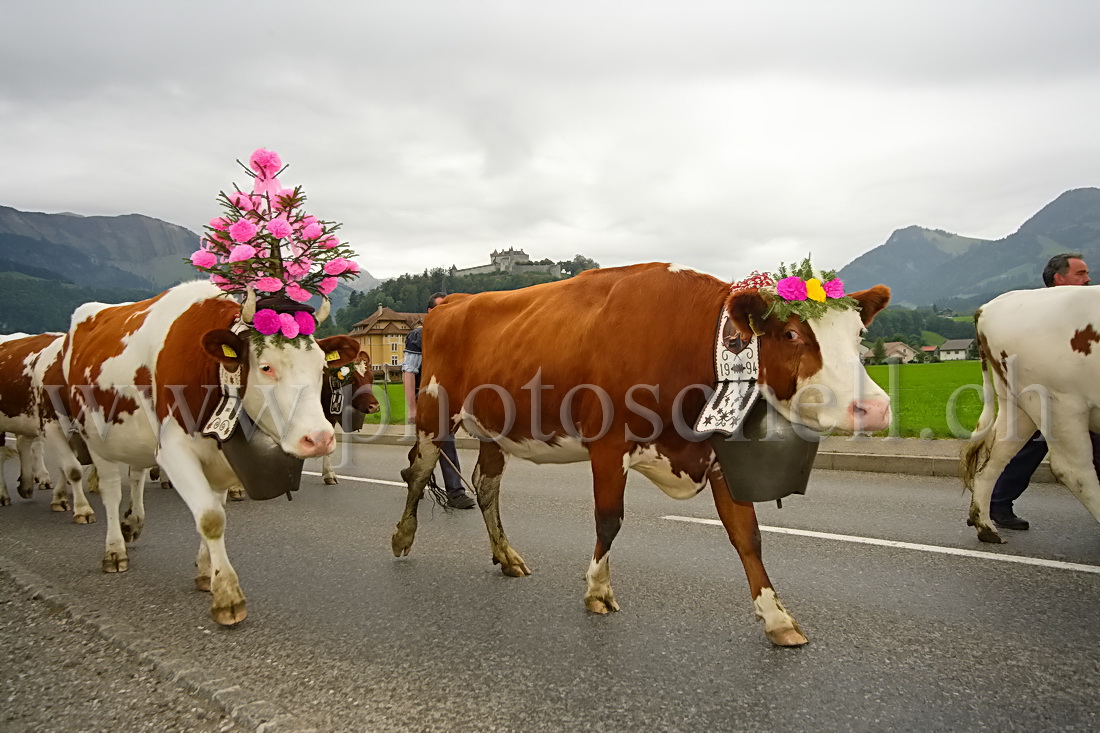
(726, 136)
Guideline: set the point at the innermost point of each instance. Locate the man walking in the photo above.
(457, 497)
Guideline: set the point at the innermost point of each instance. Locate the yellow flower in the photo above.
(814, 291)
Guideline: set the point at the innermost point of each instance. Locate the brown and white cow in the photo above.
(141, 382)
(596, 368)
(1043, 349)
(346, 396)
(27, 411)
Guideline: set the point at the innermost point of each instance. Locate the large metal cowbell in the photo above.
(763, 457)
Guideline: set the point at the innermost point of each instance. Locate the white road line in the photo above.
(357, 478)
(908, 546)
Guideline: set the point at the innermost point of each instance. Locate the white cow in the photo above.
(139, 379)
(1043, 349)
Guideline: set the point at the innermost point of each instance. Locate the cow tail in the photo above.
(93, 481)
(976, 452)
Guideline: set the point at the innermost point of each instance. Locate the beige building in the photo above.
(382, 336)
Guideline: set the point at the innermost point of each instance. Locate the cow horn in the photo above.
(326, 306)
(248, 309)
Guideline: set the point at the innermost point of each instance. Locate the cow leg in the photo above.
(6, 454)
(25, 445)
(327, 474)
(608, 486)
(422, 459)
(1067, 461)
(487, 473)
(1005, 447)
(739, 519)
(134, 520)
(41, 475)
(207, 506)
(72, 473)
(115, 559)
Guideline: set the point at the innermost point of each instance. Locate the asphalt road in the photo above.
(342, 636)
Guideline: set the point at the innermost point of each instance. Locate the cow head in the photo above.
(282, 384)
(362, 381)
(811, 370)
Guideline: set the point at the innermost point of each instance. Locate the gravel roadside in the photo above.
(58, 675)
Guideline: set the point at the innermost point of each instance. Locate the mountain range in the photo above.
(51, 262)
(930, 266)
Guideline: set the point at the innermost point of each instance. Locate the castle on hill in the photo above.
(513, 261)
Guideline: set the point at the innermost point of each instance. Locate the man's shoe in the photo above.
(460, 501)
(1008, 520)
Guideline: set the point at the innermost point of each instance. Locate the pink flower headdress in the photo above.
(265, 242)
(800, 290)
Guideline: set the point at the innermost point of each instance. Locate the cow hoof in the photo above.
(331, 481)
(512, 564)
(787, 636)
(165, 484)
(88, 518)
(45, 487)
(988, 534)
(236, 494)
(202, 582)
(59, 506)
(115, 563)
(601, 606)
(231, 614)
(131, 530)
(403, 536)
(26, 492)
(5, 501)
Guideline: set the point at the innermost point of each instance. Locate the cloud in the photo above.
(724, 136)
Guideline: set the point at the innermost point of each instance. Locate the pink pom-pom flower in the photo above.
(329, 243)
(242, 201)
(834, 288)
(242, 230)
(327, 285)
(265, 161)
(203, 259)
(288, 325)
(297, 268)
(220, 223)
(266, 321)
(279, 227)
(791, 288)
(336, 265)
(268, 284)
(297, 293)
(313, 230)
(306, 324)
(242, 252)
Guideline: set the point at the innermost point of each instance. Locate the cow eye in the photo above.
(267, 369)
(792, 335)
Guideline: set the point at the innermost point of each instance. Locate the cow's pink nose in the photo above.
(317, 443)
(869, 415)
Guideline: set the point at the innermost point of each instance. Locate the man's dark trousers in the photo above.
(1016, 475)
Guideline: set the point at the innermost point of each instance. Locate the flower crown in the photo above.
(799, 290)
(265, 243)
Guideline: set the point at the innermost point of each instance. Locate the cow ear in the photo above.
(224, 346)
(871, 301)
(339, 350)
(746, 309)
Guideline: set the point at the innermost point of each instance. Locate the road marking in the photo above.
(357, 478)
(1022, 560)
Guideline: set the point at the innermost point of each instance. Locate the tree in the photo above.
(577, 265)
(878, 352)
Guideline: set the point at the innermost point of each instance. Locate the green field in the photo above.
(391, 398)
(920, 395)
(921, 398)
